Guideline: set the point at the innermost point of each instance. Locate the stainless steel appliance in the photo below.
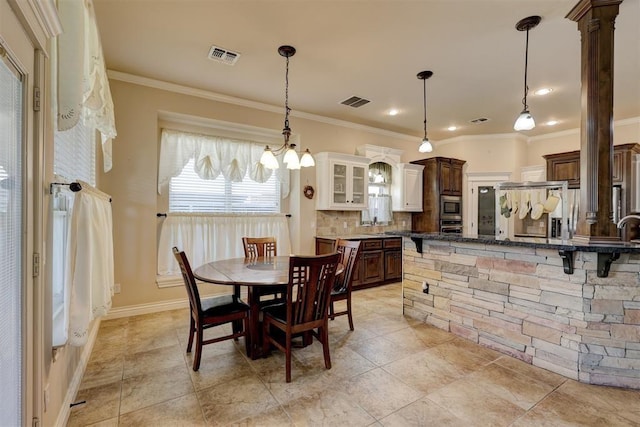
(451, 214)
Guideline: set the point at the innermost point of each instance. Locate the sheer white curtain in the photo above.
(209, 237)
(213, 155)
(82, 89)
(90, 261)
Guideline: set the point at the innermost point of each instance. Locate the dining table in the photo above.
(256, 274)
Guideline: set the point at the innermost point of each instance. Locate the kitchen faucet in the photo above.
(626, 219)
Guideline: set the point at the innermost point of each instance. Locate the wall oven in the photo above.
(451, 208)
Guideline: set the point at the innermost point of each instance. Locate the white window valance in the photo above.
(82, 85)
(233, 158)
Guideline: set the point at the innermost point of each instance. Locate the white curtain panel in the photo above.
(206, 238)
(83, 86)
(91, 261)
(213, 156)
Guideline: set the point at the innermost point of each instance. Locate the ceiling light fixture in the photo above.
(452, 128)
(543, 91)
(290, 159)
(551, 123)
(525, 120)
(393, 112)
(425, 145)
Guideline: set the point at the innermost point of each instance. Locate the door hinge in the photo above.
(36, 99)
(36, 422)
(36, 264)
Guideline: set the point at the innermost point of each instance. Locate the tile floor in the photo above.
(390, 371)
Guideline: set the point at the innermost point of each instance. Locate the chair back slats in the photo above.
(259, 246)
(310, 282)
(189, 281)
(349, 251)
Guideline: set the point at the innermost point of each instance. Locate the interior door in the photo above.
(17, 311)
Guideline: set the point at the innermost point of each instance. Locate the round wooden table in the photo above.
(258, 275)
(254, 273)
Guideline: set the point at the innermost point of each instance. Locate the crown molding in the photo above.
(576, 131)
(200, 93)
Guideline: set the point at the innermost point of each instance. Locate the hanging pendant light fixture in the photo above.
(425, 145)
(525, 119)
(290, 159)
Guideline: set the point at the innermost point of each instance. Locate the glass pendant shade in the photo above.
(268, 160)
(291, 158)
(425, 146)
(524, 121)
(307, 159)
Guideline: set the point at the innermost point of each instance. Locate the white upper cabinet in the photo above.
(406, 188)
(342, 181)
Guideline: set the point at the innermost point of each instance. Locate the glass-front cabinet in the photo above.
(342, 181)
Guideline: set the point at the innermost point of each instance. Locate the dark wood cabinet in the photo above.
(564, 167)
(380, 261)
(442, 176)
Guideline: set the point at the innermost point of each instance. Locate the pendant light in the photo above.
(425, 145)
(268, 158)
(525, 119)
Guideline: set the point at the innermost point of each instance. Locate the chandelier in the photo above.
(290, 158)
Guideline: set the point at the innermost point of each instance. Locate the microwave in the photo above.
(451, 207)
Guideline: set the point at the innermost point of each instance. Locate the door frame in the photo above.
(481, 179)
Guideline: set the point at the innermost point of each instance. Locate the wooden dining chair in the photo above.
(311, 279)
(349, 251)
(263, 246)
(209, 312)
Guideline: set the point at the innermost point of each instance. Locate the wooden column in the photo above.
(596, 20)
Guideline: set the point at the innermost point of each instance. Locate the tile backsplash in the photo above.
(331, 223)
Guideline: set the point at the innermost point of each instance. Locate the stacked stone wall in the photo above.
(519, 301)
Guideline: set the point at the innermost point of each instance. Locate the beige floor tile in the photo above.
(231, 402)
(381, 351)
(150, 339)
(476, 405)
(101, 371)
(219, 369)
(306, 380)
(530, 371)
(183, 411)
(161, 385)
(518, 389)
(424, 412)
(430, 335)
(152, 360)
(102, 403)
(328, 408)
(111, 422)
(275, 417)
(379, 392)
(601, 398)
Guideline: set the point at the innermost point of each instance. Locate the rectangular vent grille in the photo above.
(223, 55)
(355, 102)
(479, 120)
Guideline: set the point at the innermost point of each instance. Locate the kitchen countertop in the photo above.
(623, 247)
(362, 236)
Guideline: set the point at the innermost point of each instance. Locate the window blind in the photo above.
(190, 193)
(74, 154)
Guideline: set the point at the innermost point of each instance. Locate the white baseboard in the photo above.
(72, 390)
(135, 310)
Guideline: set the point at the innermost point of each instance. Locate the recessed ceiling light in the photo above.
(452, 128)
(551, 123)
(393, 112)
(543, 91)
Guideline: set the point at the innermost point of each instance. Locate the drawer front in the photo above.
(371, 244)
(393, 243)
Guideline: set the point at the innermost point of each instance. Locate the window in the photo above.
(73, 159)
(190, 193)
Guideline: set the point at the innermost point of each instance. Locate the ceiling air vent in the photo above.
(355, 102)
(223, 55)
(479, 120)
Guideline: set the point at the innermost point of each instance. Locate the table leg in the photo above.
(254, 343)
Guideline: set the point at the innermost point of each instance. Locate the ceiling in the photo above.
(374, 49)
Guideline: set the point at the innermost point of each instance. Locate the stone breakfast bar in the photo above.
(571, 309)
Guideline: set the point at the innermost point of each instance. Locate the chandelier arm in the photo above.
(526, 67)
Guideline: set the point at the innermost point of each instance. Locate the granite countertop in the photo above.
(622, 247)
(363, 236)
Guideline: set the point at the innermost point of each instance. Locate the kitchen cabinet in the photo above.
(566, 167)
(380, 260)
(406, 188)
(442, 176)
(342, 181)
